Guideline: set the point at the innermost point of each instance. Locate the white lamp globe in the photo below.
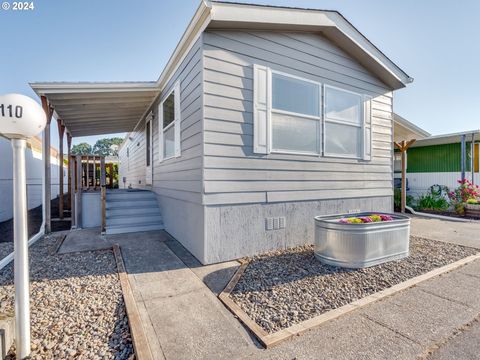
(21, 117)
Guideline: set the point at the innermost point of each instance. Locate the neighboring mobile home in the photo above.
(34, 168)
(263, 118)
(442, 159)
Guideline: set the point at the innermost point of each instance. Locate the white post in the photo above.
(22, 296)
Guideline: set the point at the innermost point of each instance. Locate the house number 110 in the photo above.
(18, 111)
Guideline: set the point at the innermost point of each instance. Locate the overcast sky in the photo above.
(434, 41)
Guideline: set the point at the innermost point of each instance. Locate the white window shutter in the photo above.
(367, 128)
(260, 109)
(178, 120)
(160, 132)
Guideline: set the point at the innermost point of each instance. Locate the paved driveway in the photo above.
(462, 233)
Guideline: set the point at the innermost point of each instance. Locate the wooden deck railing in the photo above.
(89, 174)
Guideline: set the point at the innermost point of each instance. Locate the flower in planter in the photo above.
(386, 217)
(376, 218)
(366, 219)
(462, 194)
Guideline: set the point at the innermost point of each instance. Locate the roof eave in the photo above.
(410, 126)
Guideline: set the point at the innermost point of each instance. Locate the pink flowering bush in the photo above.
(366, 219)
(464, 192)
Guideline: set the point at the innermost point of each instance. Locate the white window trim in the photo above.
(290, 113)
(343, 122)
(363, 124)
(162, 129)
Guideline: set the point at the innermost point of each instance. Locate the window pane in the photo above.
(397, 163)
(169, 142)
(147, 135)
(342, 139)
(343, 105)
(295, 95)
(168, 110)
(294, 133)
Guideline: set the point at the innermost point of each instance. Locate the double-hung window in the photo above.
(169, 124)
(343, 122)
(300, 116)
(295, 115)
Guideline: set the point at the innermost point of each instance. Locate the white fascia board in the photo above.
(269, 15)
(194, 29)
(196, 26)
(448, 138)
(68, 88)
(371, 50)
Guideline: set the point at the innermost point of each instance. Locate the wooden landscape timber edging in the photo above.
(59, 243)
(270, 340)
(139, 338)
(224, 296)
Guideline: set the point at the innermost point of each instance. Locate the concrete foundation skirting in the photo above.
(139, 338)
(7, 334)
(269, 340)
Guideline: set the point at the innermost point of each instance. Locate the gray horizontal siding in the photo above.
(233, 173)
(181, 178)
(132, 167)
(178, 178)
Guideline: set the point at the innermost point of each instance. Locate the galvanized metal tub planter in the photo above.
(361, 245)
(472, 210)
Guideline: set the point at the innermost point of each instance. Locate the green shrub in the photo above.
(434, 199)
(431, 202)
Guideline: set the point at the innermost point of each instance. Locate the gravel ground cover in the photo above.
(77, 308)
(282, 288)
(5, 249)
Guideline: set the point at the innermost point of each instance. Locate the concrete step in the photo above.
(125, 204)
(133, 211)
(122, 229)
(134, 220)
(131, 196)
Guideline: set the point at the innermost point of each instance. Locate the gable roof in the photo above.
(219, 14)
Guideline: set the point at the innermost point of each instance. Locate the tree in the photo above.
(107, 147)
(82, 149)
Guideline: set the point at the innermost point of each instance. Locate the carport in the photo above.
(85, 109)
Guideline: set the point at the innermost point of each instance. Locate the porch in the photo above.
(85, 109)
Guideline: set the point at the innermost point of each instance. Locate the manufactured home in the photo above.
(441, 160)
(263, 118)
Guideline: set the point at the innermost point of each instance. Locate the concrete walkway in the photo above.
(183, 319)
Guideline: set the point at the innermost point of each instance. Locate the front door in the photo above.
(148, 151)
